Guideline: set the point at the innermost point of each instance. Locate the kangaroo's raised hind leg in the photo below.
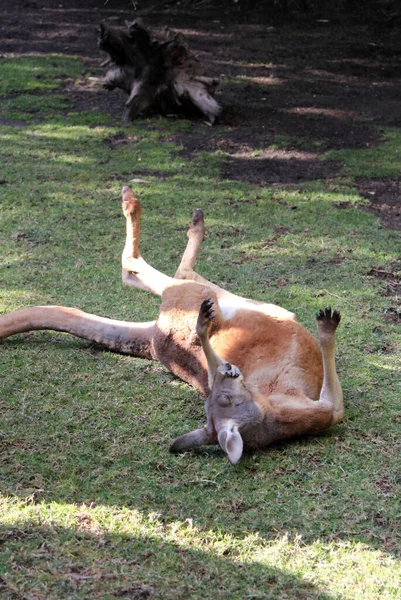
(135, 270)
(196, 234)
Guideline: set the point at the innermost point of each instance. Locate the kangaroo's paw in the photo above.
(328, 320)
(229, 370)
(205, 317)
(130, 205)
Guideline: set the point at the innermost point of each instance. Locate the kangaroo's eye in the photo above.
(224, 400)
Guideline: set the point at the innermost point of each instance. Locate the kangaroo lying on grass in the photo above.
(263, 374)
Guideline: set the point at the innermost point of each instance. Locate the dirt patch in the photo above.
(391, 274)
(384, 199)
(135, 593)
(393, 314)
(290, 91)
(287, 168)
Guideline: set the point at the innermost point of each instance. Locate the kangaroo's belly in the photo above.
(254, 336)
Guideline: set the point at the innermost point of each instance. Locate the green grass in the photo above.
(37, 73)
(32, 105)
(92, 504)
(381, 161)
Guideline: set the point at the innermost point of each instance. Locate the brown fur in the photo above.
(262, 370)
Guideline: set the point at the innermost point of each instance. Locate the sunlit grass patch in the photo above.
(247, 564)
(380, 160)
(28, 106)
(29, 73)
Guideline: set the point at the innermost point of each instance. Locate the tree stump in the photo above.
(162, 75)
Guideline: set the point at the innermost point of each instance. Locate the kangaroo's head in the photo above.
(232, 416)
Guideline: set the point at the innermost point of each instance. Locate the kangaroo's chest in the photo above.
(244, 332)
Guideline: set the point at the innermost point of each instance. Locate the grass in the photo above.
(382, 161)
(92, 504)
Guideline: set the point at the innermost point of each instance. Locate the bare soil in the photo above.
(304, 87)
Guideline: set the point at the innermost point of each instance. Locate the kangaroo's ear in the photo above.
(198, 437)
(231, 442)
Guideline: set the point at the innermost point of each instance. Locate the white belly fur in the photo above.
(230, 305)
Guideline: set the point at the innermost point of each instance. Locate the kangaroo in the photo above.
(263, 374)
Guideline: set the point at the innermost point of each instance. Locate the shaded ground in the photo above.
(290, 92)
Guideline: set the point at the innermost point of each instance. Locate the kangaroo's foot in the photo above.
(130, 204)
(197, 225)
(132, 210)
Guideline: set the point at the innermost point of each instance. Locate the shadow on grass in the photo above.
(53, 562)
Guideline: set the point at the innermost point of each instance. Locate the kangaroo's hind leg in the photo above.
(196, 234)
(135, 270)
